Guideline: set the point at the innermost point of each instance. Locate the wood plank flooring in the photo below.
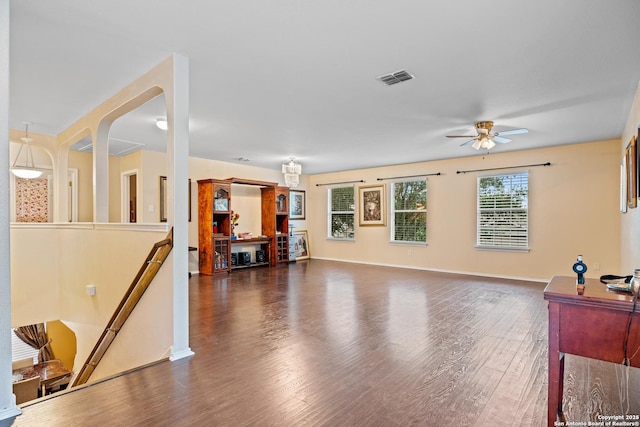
(320, 343)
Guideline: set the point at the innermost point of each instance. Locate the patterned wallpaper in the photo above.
(32, 200)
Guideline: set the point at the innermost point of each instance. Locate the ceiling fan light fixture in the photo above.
(484, 142)
(485, 138)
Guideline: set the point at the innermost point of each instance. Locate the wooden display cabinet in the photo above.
(214, 226)
(275, 221)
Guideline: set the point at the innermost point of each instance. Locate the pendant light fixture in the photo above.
(291, 171)
(28, 170)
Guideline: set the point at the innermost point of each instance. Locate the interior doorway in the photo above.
(130, 196)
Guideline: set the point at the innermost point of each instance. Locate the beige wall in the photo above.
(84, 163)
(71, 256)
(154, 165)
(34, 291)
(573, 210)
(630, 235)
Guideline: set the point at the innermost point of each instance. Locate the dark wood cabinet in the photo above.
(275, 221)
(214, 226)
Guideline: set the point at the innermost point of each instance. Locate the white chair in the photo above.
(22, 363)
(26, 390)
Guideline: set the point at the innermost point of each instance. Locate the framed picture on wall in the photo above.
(296, 204)
(372, 205)
(301, 244)
(163, 199)
(632, 174)
(623, 185)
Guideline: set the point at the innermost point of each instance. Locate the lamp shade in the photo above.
(26, 173)
(28, 170)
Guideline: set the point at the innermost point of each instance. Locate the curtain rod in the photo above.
(506, 167)
(410, 176)
(343, 182)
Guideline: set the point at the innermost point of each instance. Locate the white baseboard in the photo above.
(437, 270)
(181, 354)
(10, 412)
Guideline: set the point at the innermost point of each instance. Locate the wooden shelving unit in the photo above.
(263, 243)
(275, 221)
(214, 226)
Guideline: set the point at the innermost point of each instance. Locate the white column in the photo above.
(61, 185)
(101, 173)
(8, 406)
(177, 178)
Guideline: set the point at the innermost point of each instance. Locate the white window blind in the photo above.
(22, 350)
(341, 213)
(503, 217)
(409, 211)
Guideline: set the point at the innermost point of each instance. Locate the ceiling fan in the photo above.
(486, 139)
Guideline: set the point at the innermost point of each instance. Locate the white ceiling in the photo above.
(280, 78)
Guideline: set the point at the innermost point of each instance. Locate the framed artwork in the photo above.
(632, 174)
(189, 199)
(372, 205)
(301, 244)
(635, 143)
(163, 199)
(296, 204)
(623, 185)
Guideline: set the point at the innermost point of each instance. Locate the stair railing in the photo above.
(146, 273)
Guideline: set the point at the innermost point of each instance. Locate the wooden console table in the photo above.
(592, 325)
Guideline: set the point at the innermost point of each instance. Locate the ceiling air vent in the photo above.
(393, 78)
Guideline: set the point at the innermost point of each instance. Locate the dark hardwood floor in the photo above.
(336, 344)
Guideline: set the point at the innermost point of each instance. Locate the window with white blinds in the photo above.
(22, 350)
(503, 211)
(409, 211)
(341, 213)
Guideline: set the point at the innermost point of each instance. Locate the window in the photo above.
(341, 213)
(22, 350)
(503, 218)
(409, 211)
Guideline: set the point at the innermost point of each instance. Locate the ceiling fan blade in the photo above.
(468, 142)
(501, 140)
(462, 136)
(513, 132)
